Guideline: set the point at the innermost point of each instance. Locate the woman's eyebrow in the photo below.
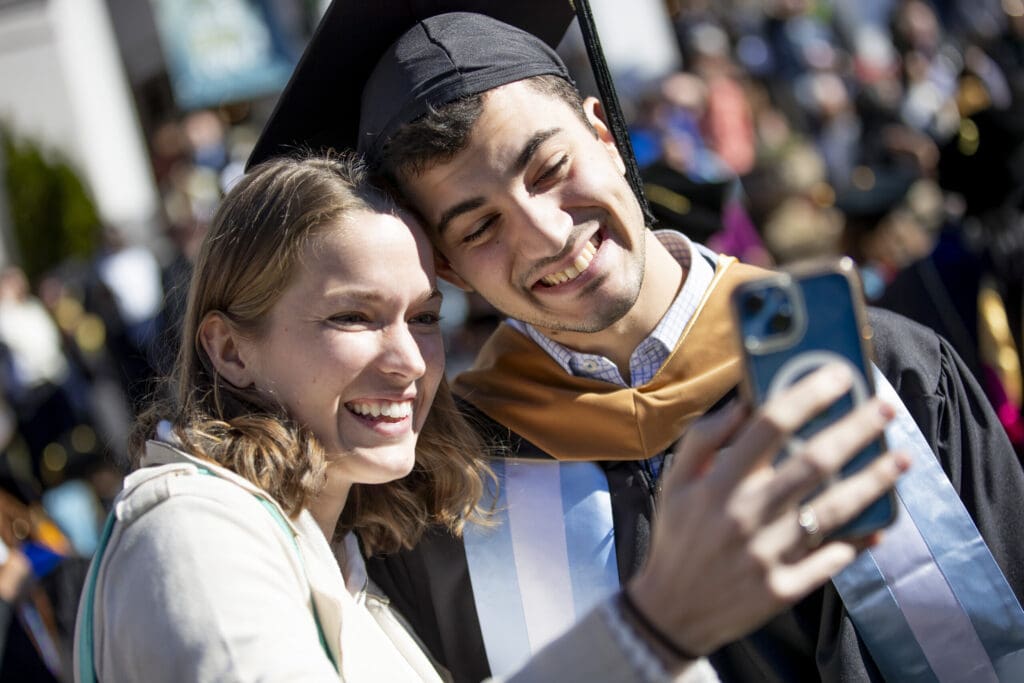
(362, 294)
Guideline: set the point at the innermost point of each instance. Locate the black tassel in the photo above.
(610, 99)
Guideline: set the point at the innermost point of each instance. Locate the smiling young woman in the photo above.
(284, 237)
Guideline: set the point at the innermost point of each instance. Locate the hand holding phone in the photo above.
(793, 323)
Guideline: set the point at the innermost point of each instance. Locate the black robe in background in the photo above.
(816, 639)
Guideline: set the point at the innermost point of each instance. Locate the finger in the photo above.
(795, 581)
(822, 456)
(695, 451)
(817, 566)
(782, 415)
(790, 536)
(843, 502)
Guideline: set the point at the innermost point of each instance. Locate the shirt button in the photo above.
(590, 365)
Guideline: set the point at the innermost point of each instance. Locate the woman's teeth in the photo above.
(391, 409)
(581, 263)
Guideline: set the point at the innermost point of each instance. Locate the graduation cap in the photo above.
(872, 194)
(984, 161)
(372, 66)
(681, 203)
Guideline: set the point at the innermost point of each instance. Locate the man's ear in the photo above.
(446, 272)
(595, 114)
(223, 346)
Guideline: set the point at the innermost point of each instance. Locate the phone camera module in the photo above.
(753, 303)
(781, 321)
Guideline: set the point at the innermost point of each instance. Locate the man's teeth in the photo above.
(392, 409)
(578, 266)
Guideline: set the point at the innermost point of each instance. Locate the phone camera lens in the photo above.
(780, 322)
(753, 303)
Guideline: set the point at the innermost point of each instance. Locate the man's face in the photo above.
(536, 215)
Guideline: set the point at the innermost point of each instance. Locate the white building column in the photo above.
(110, 149)
(638, 41)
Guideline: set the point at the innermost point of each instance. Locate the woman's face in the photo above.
(353, 349)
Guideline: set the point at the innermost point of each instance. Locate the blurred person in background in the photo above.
(36, 373)
(21, 659)
(126, 290)
(40, 581)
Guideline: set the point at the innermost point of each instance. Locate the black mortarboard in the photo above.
(984, 161)
(681, 203)
(873, 194)
(440, 59)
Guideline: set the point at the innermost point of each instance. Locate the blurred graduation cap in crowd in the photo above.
(984, 161)
(873, 192)
(371, 67)
(681, 203)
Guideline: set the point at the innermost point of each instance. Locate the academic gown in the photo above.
(815, 639)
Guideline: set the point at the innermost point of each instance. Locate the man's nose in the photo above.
(541, 227)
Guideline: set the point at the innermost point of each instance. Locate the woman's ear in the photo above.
(595, 114)
(223, 346)
(446, 272)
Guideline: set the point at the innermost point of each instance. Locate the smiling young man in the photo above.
(617, 338)
(535, 214)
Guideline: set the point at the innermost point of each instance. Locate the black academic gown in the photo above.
(816, 639)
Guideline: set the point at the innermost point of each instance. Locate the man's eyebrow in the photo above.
(531, 146)
(451, 214)
(529, 149)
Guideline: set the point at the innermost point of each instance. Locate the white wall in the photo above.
(62, 82)
(109, 143)
(638, 42)
(33, 95)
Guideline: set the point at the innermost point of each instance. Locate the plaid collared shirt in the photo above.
(653, 351)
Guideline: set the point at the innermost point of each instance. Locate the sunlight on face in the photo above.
(353, 347)
(536, 215)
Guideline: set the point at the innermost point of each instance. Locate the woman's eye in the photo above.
(428, 318)
(348, 319)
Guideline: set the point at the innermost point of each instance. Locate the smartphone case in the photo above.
(792, 323)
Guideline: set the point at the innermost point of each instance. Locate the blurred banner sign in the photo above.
(221, 51)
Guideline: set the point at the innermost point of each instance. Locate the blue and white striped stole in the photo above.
(929, 601)
(549, 560)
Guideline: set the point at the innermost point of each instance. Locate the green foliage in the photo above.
(52, 214)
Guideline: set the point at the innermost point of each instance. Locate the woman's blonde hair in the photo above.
(247, 259)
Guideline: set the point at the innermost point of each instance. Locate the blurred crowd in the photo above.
(891, 131)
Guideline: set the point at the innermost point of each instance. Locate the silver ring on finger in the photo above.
(807, 518)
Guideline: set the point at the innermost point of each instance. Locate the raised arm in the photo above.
(729, 550)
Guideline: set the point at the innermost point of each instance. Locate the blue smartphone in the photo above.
(792, 323)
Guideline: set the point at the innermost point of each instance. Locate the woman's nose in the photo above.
(402, 354)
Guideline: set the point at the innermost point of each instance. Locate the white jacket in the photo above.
(200, 583)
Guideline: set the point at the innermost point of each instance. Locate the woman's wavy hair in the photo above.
(247, 259)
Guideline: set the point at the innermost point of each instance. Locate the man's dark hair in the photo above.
(443, 132)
